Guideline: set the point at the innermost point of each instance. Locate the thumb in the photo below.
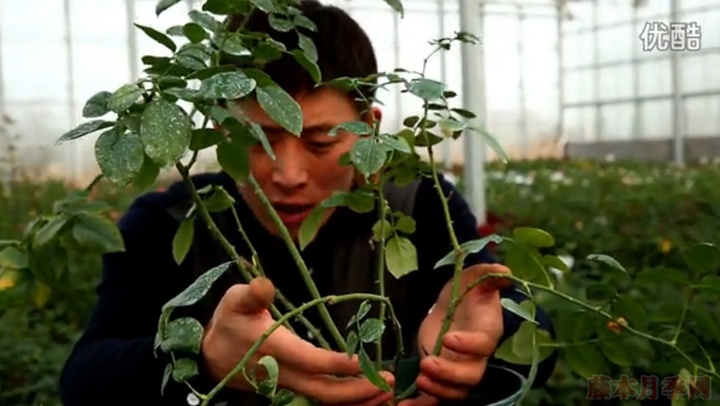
(250, 298)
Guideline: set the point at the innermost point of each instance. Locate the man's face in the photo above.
(306, 170)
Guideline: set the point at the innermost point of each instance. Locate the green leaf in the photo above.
(165, 131)
(205, 20)
(171, 82)
(163, 5)
(492, 142)
(158, 36)
(166, 378)
(534, 237)
(184, 370)
(304, 22)
(202, 138)
(397, 6)
(703, 257)
(555, 262)
(84, 129)
(119, 155)
(194, 32)
(278, 23)
(310, 67)
(182, 241)
(608, 261)
(198, 289)
(285, 397)
(518, 348)
(368, 156)
(526, 263)
(219, 200)
(396, 143)
(269, 386)
(281, 107)
(308, 47)
(124, 97)
(468, 248)
(13, 258)
(183, 335)
(450, 126)
(400, 256)
(264, 5)
(426, 89)
(362, 311)
(371, 330)
(97, 105)
(585, 360)
(310, 226)
(96, 232)
(355, 127)
(464, 113)
(352, 342)
(382, 229)
(369, 371)
(227, 85)
(520, 309)
(233, 156)
(147, 175)
(405, 224)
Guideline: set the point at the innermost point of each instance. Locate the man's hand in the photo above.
(240, 320)
(471, 340)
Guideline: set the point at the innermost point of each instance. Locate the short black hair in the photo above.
(343, 49)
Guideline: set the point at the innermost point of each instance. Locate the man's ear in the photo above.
(375, 115)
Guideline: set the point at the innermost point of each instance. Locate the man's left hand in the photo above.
(471, 340)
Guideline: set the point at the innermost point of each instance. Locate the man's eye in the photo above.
(321, 144)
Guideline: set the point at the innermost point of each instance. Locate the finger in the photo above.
(470, 343)
(330, 390)
(422, 400)
(440, 389)
(250, 298)
(459, 373)
(296, 353)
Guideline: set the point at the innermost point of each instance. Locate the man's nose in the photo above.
(290, 166)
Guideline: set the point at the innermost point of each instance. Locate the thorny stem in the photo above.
(568, 298)
(380, 271)
(255, 347)
(304, 272)
(215, 231)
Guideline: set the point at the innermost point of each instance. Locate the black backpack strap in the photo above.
(355, 263)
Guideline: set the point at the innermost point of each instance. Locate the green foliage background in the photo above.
(642, 215)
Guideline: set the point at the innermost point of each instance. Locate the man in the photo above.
(113, 362)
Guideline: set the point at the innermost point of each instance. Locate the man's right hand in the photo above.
(242, 317)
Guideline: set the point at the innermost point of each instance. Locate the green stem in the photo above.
(217, 234)
(304, 272)
(688, 298)
(258, 271)
(380, 270)
(251, 352)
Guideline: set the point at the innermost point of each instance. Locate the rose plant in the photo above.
(151, 130)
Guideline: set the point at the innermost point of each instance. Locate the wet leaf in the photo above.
(165, 131)
(368, 156)
(227, 85)
(119, 155)
(426, 89)
(396, 143)
(184, 370)
(371, 330)
(84, 129)
(97, 105)
(183, 335)
(355, 127)
(281, 107)
(198, 289)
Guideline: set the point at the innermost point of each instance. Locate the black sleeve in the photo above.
(113, 363)
(432, 227)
